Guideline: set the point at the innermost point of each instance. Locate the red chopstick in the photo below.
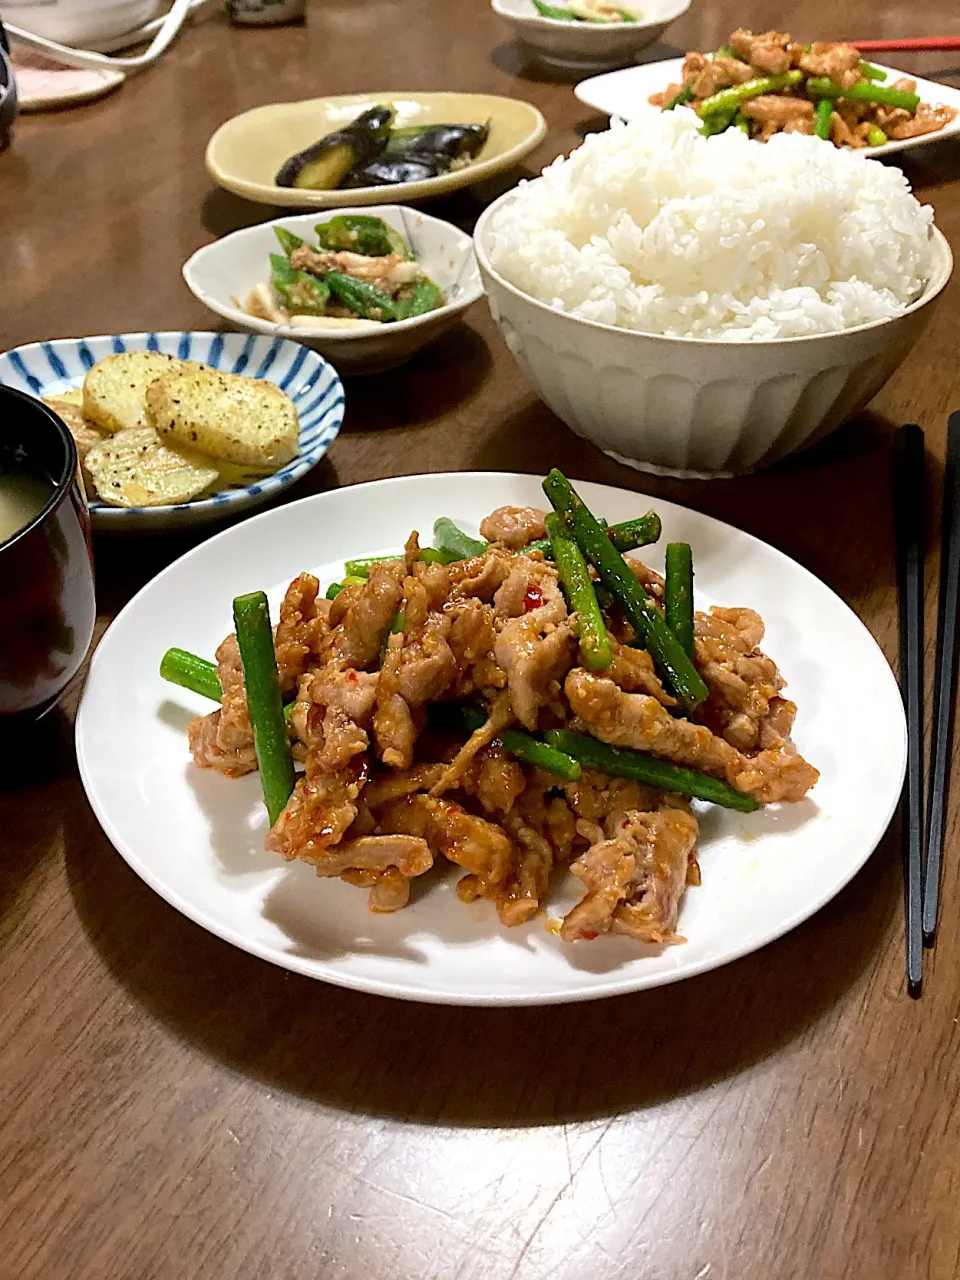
(922, 44)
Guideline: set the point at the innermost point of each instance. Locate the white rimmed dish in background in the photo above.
(223, 273)
(49, 368)
(245, 152)
(624, 93)
(588, 45)
(43, 85)
(197, 838)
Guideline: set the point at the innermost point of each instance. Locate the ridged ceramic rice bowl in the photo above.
(703, 307)
(652, 227)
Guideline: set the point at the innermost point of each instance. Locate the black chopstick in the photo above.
(908, 512)
(943, 682)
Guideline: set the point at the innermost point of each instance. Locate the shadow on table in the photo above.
(223, 212)
(441, 379)
(517, 59)
(37, 756)
(124, 564)
(835, 495)
(935, 164)
(466, 1066)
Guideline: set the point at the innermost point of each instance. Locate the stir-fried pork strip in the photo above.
(714, 74)
(527, 887)
(203, 733)
(770, 53)
(472, 636)
(418, 667)
(838, 62)
(599, 803)
(927, 119)
(499, 717)
(482, 848)
(514, 527)
(224, 740)
(634, 672)
(639, 721)
(744, 683)
(537, 641)
(495, 779)
(548, 813)
(233, 732)
(843, 132)
(302, 628)
(409, 854)
(775, 114)
(331, 718)
(319, 812)
(360, 624)
(480, 577)
(391, 786)
(635, 879)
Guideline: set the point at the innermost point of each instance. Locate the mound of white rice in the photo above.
(651, 226)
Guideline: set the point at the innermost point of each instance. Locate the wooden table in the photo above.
(173, 1108)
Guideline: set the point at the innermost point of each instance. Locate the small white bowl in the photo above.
(693, 407)
(588, 46)
(222, 275)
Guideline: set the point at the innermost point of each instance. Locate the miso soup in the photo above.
(22, 496)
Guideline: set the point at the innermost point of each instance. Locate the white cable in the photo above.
(87, 59)
(140, 35)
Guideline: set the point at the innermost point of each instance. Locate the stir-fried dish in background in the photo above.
(588, 11)
(515, 706)
(769, 83)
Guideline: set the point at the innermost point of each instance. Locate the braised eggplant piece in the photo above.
(449, 141)
(324, 165)
(385, 171)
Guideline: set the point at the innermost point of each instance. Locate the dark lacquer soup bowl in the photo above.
(47, 606)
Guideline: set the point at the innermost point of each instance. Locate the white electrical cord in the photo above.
(140, 35)
(89, 60)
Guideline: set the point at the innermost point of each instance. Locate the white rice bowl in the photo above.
(651, 226)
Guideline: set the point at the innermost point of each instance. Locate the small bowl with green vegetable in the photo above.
(589, 35)
(367, 288)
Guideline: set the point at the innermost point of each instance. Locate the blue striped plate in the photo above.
(50, 368)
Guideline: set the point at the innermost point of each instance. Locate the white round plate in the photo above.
(626, 92)
(197, 837)
(50, 368)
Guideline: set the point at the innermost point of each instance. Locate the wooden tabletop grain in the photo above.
(171, 1108)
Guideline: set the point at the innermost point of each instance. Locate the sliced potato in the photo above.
(235, 419)
(138, 469)
(85, 434)
(72, 395)
(114, 389)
